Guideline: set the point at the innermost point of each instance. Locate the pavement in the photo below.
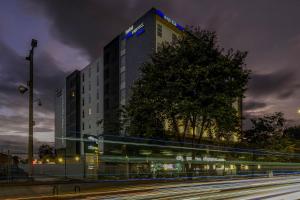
(286, 187)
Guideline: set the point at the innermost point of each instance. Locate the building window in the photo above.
(82, 113)
(83, 77)
(106, 73)
(122, 77)
(90, 111)
(122, 94)
(83, 89)
(82, 101)
(97, 80)
(106, 58)
(123, 61)
(122, 69)
(73, 94)
(82, 125)
(174, 38)
(90, 86)
(159, 30)
(90, 98)
(89, 126)
(97, 107)
(97, 66)
(97, 95)
(106, 103)
(89, 72)
(106, 88)
(123, 44)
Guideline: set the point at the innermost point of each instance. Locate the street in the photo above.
(275, 188)
(258, 188)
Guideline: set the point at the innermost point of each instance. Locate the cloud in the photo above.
(16, 145)
(252, 105)
(269, 33)
(13, 105)
(89, 24)
(281, 84)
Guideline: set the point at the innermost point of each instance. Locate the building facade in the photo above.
(73, 119)
(91, 101)
(60, 118)
(125, 54)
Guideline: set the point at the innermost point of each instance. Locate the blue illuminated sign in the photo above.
(130, 32)
(163, 16)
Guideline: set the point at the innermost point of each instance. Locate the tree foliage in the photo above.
(46, 151)
(188, 88)
(268, 132)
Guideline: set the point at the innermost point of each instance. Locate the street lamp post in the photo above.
(31, 122)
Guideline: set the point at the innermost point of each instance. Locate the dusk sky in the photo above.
(72, 33)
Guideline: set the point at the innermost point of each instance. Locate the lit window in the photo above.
(90, 111)
(159, 30)
(122, 69)
(73, 94)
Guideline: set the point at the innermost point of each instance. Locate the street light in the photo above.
(22, 90)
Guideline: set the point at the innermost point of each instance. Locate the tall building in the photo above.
(73, 119)
(91, 101)
(60, 119)
(125, 54)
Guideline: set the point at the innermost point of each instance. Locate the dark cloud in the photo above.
(13, 105)
(267, 29)
(90, 24)
(281, 84)
(15, 145)
(252, 105)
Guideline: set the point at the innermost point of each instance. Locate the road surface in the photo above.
(275, 188)
(260, 188)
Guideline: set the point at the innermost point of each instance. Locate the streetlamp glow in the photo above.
(77, 158)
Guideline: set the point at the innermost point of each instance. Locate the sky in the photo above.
(72, 33)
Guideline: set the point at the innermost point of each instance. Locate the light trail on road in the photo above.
(267, 188)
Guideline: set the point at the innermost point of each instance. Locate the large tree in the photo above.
(188, 88)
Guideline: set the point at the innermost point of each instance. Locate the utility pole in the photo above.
(31, 122)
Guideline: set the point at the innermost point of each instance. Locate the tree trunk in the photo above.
(201, 129)
(175, 128)
(186, 123)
